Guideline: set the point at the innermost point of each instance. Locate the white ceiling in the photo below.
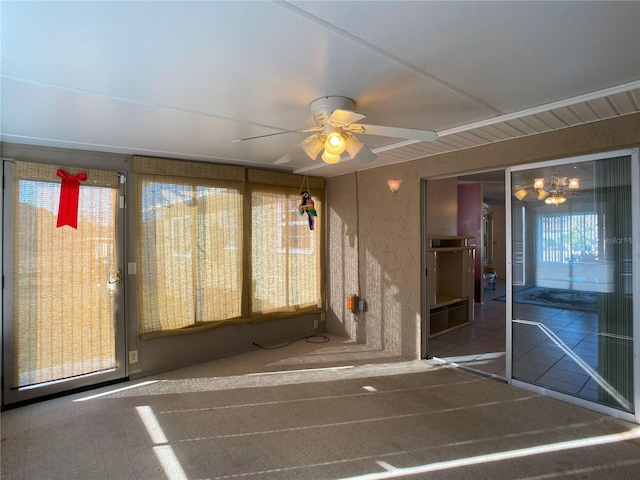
(184, 79)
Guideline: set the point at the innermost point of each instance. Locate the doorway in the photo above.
(63, 314)
(479, 346)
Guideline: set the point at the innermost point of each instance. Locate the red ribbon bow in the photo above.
(69, 192)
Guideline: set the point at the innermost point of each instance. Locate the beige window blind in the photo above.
(63, 319)
(285, 252)
(219, 244)
(190, 247)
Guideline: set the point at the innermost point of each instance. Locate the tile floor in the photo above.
(565, 365)
(481, 345)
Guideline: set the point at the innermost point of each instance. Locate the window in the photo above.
(188, 273)
(214, 248)
(568, 237)
(284, 258)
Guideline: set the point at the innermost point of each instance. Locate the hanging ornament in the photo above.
(307, 206)
(69, 192)
(306, 203)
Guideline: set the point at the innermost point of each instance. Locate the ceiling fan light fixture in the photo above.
(312, 147)
(330, 158)
(353, 146)
(334, 144)
(334, 140)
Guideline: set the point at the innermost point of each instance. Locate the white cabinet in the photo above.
(450, 277)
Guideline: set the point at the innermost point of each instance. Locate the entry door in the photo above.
(63, 322)
(573, 315)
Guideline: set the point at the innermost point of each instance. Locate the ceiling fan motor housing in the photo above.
(321, 108)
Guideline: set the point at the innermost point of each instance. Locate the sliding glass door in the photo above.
(63, 320)
(574, 248)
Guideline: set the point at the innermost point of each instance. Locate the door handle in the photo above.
(118, 278)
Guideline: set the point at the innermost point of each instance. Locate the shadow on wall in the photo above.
(371, 274)
(343, 265)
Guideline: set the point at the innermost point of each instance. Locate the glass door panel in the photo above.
(62, 322)
(572, 304)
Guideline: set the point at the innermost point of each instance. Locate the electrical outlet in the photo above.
(133, 356)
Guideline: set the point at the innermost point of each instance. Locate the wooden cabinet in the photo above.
(450, 277)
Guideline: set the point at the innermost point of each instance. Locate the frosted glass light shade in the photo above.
(394, 185)
(312, 147)
(335, 143)
(329, 158)
(520, 194)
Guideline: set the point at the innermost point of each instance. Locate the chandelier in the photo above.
(554, 194)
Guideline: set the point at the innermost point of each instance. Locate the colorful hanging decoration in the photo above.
(69, 192)
(307, 206)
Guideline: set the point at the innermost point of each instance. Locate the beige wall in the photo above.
(383, 230)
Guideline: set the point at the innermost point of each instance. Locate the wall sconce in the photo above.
(394, 185)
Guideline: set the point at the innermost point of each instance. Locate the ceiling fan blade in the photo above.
(286, 158)
(345, 117)
(365, 155)
(395, 132)
(311, 129)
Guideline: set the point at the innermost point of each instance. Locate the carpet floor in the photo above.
(314, 411)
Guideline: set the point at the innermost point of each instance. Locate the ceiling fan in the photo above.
(336, 123)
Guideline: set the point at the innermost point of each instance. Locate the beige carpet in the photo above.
(314, 411)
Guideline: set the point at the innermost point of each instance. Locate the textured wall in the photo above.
(342, 256)
(387, 232)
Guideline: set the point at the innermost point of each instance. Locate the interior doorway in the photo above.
(479, 346)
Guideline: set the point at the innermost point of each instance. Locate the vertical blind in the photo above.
(63, 304)
(615, 308)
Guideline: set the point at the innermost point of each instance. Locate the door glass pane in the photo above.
(65, 283)
(572, 303)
